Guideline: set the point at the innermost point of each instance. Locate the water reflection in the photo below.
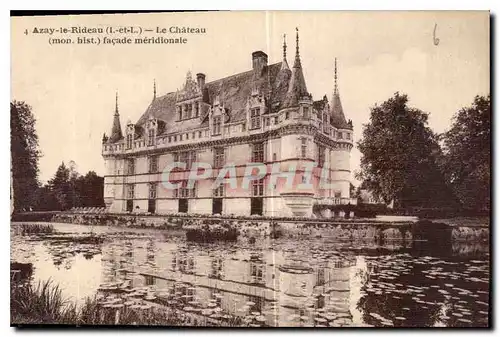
(310, 282)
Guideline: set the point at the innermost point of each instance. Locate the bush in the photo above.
(210, 231)
(31, 229)
(433, 232)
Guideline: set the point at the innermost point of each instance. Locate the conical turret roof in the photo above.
(116, 130)
(297, 87)
(337, 112)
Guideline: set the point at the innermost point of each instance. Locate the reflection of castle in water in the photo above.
(266, 282)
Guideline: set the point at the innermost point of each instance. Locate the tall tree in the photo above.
(399, 156)
(60, 186)
(467, 154)
(24, 155)
(91, 190)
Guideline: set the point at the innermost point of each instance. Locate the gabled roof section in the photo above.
(232, 92)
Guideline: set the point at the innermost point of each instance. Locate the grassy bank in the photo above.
(44, 303)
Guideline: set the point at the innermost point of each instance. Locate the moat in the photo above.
(316, 282)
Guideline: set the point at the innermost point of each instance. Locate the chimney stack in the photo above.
(259, 61)
(200, 78)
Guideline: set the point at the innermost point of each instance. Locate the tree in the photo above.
(467, 154)
(352, 190)
(399, 156)
(91, 189)
(60, 186)
(69, 189)
(24, 155)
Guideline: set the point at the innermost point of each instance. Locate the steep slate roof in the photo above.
(116, 130)
(281, 87)
(233, 92)
(338, 118)
(337, 112)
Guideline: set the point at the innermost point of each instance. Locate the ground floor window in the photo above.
(217, 206)
(183, 205)
(130, 205)
(256, 206)
(152, 205)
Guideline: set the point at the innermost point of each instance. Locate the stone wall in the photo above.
(262, 227)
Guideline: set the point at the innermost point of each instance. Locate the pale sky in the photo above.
(72, 87)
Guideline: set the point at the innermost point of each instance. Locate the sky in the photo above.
(71, 87)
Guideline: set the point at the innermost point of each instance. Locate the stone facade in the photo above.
(264, 115)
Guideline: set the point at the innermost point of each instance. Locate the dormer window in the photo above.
(255, 118)
(196, 109)
(129, 141)
(179, 113)
(151, 137)
(216, 125)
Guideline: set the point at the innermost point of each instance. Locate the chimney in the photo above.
(200, 78)
(259, 61)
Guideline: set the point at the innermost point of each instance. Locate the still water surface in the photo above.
(285, 282)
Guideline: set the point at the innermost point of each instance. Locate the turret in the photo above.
(280, 86)
(297, 90)
(337, 112)
(116, 130)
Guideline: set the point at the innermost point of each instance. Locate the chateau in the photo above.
(264, 115)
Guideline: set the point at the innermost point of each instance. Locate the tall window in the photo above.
(219, 157)
(216, 125)
(189, 108)
(258, 187)
(151, 137)
(257, 272)
(255, 118)
(196, 109)
(152, 197)
(303, 147)
(325, 124)
(130, 191)
(258, 152)
(130, 166)
(339, 135)
(188, 157)
(305, 112)
(129, 141)
(219, 191)
(321, 155)
(185, 192)
(152, 190)
(153, 164)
